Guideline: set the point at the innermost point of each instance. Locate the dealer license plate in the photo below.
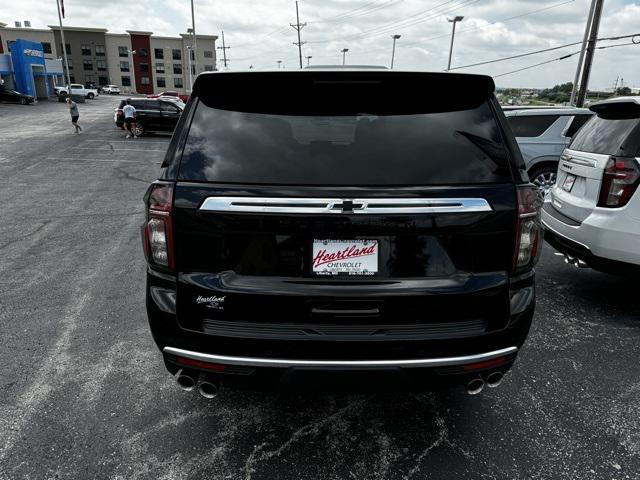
(567, 185)
(345, 257)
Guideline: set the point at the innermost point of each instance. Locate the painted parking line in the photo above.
(119, 149)
(139, 140)
(105, 160)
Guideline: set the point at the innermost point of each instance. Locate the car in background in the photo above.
(111, 89)
(592, 214)
(77, 89)
(170, 93)
(542, 135)
(369, 232)
(13, 96)
(152, 115)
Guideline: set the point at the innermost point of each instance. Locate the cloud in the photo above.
(259, 33)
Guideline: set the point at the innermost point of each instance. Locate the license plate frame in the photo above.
(569, 182)
(345, 257)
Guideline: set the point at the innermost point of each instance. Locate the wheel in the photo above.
(23, 101)
(90, 96)
(544, 177)
(138, 129)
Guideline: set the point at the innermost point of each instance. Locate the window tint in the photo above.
(460, 147)
(576, 123)
(606, 136)
(531, 125)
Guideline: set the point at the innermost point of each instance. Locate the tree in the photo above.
(623, 91)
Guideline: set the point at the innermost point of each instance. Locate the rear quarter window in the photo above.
(342, 148)
(608, 136)
(531, 125)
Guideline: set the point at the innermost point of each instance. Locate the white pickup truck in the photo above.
(77, 89)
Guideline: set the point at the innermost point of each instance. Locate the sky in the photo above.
(259, 34)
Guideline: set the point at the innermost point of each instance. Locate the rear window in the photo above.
(344, 138)
(531, 125)
(609, 137)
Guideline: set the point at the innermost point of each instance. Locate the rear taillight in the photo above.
(158, 230)
(619, 182)
(528, 231)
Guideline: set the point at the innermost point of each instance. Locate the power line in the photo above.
(347, 17)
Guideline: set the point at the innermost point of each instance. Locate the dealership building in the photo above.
(136, 61)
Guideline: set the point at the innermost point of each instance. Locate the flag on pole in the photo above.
(62, 7)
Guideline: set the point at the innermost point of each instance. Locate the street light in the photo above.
(190, 69)
(344, 55)
(308, 57)
(133, 70)
(279, 64)
(393, 51)
(453, 20)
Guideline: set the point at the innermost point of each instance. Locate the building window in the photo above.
(103, 81)
(126, 81)
(144, 68)
(142, 52)
(208, 54)
(86, 49)
(177, 69)
(159, 67)
(46, 47)
(69, 63)
(100, 52)
(177, 82)
(192, 54)
(67, 47)
(87, 65)
(208, 68)
(124, 66)
(144, 80)
(159, 53)
(123, 52)
(177, 54)
(89, 79)
(9, 43)
(101, 65)
(160, 82)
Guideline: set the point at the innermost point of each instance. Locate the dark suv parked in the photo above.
(152, 115)
(341, 225)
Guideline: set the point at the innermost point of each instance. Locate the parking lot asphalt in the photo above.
(84, 393)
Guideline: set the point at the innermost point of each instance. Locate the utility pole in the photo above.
(453, 20)
(298, 26)
(279, 63)
(308, 57)
(195, 41)
(576, 80)
(344, 55)
(393, 51)
(224, 49)
(588, 58)
(64, 48)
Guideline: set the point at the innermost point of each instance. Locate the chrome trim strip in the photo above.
(338, 205)
(579, 161)
(287, 363)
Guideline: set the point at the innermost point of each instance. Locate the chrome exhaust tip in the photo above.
(208, 389)
(475, 386)
(494, 379)
(186, 380)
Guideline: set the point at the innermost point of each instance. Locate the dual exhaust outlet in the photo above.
(576, 262)
(492, 380)
(207, 386)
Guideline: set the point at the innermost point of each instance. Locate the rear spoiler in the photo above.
(617, 108)
(304, 92)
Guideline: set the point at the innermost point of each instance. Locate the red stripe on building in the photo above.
(141, 45)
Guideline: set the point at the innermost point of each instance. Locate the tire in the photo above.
(23, 101)
(138, 130)
(544, 177)
(90, 96)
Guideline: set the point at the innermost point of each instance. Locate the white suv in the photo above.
(592, 214)
(111, 89)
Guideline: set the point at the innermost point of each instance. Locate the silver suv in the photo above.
(542, 135)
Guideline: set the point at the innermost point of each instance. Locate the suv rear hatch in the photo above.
(599, 168)
(352, 204)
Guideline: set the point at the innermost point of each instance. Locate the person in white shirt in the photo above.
(129, 118)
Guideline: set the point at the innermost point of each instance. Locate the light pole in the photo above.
(190, 70)
(393, 51)
(453, 20)
(133, 71)
(308, 57)
(279, 64)
(344, 55)
(195, 41)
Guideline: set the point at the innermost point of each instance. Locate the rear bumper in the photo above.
(605, 237)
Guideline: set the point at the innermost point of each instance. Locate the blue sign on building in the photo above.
(32, 73)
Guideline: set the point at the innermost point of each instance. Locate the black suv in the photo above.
(341, 225)
(152, 115)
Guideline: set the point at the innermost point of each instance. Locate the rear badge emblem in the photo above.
(214, 302)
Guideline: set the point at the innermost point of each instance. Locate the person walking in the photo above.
(73, 110)
(129, 118)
